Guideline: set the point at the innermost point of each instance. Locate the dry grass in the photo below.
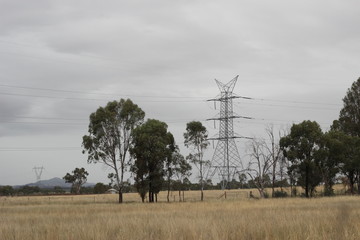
(99, 217)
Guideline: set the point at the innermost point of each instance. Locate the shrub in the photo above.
(280, 194)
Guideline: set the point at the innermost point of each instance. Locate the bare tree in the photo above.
(260, 164)
(275, 154)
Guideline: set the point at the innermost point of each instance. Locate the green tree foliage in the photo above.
(242, 180)
(300, 147)
(350, 166)
(58, 190)
(176, 168)
(330, 154)
(28, 190)
(349, 119)
(151, 146)
(100, 188)
(77, 179)
(110, 134)
(6, 191)
(349, 123)
(196, 139)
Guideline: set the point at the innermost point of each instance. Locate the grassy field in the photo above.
(237, 217)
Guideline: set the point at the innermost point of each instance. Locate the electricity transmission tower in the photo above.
(38, 172)
(226, 159)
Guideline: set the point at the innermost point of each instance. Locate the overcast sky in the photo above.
(61, 60)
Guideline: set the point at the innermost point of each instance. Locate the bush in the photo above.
(280, 194)
(6, 191)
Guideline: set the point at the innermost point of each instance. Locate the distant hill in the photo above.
(53, 182)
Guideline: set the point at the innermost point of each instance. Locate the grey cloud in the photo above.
(299, 51)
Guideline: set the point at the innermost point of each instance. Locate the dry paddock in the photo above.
(236, 217)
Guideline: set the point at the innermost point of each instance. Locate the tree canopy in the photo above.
(77, 179)
(349, 119)
(300, 148)
(196, 139)
(151, 146)
(110, 134)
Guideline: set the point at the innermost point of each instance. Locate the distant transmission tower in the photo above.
(38, 172)
(226, 159)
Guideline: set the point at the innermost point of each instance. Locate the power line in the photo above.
(43, 123)
(82, 123)
(36, 149)
(91, 99)
(288, 101)
(46, 118)
(286, 106)
(201, 99)
(94, 93)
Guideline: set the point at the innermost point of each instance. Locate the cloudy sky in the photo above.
(61, 60)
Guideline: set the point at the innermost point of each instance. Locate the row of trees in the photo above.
(121, 139)
(316, 157)
(29, 190)
(308, 156)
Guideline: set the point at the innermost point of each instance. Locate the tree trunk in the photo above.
(281, 176)
(151, 194)
(262, 195)
(358, 181)
(179, 195)
(168, 184)
(351, 178)
(119, 184)
(202, 195)
(307, 181)
(274, 162)
(151, 197)
(120, 196)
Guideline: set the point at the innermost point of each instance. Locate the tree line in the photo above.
(120, 138)
(308, 157)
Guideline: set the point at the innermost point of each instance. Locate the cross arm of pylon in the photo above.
(223, 98)
(225, 138)
(225, 118)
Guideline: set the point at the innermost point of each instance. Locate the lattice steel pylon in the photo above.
(38, 172)
(226, 159)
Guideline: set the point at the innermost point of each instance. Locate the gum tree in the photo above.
(152, 145)
(196, 139)
(110, 134)
(77, 179)
(300, 147)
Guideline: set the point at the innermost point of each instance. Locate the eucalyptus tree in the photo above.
(330, 155)
(300, 147)
(152, 145)
(196, 139)
(349, 123)
(176, 169)
(110, 135)
(349, 119)
(77, 179)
